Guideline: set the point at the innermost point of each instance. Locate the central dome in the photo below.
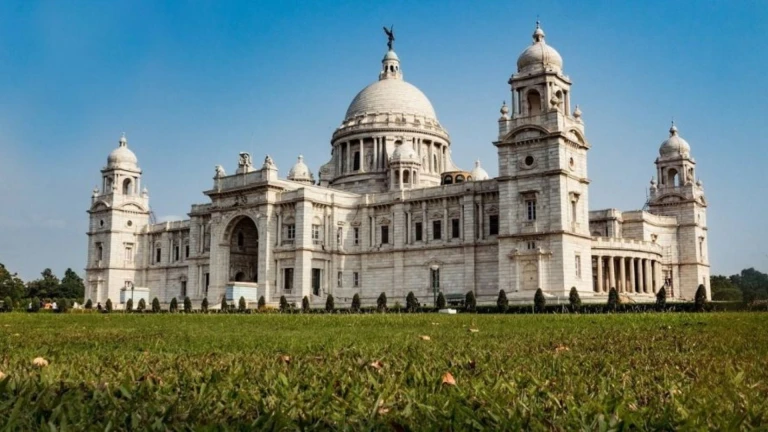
(391, 95)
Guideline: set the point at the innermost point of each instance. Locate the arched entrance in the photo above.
(244, 251)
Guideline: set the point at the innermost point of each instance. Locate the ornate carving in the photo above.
(220, 172)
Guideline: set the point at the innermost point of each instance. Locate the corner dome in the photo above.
(122, 157)
(539, 56)
(674, 145)
(405, 152)
(300, 172)
(478, 173)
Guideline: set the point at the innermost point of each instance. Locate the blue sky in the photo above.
(194, 83)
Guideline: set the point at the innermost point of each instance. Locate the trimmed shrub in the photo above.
(356, 303)
(174, 306)
(381, 303)
(700, 300)
(539, 301)
(204, 305)
(187, 305)
(262, 303)
(411, 302)
(155, 305)
(284, 306)
(108, 306)
(64, 305)
(7, 304)
(661, 299)
(329, 303)
(142, 305)
(613, 300)
(128, 305)
(224, 304)
(574, 299)
(89, 304)
(305, 304)
(242, 307)
(35, 304)
(440, 301)
(502, 304)
(470, 302)
(397, 308)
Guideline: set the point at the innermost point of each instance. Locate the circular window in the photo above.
(571, 162)
(129, 223)
(529, 160)
(101, 222)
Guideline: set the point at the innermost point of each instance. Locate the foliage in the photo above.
(224, 304)
(372, 372)
(63, 305)
(284, 306)
(11, 285)
(613, 299)
(661, 299)
(470, 302)
(574, 299)
(723, 289)
(502, 304)
(71, 286)
(45, 287)
(355, 303)
(204, 305)
(155, 305)
(89, 304)
(305, 304)
(8, 304)
(142, 305)
(242, 307)
(440, 301)
(700, 299)
(187, 304)
(411, 302)
(174, 306)
(49, 286)
(381, 303)
(35, 303)
(329, 306)
(539, 301)
(108, 306)
(129, 305)
(262, 303)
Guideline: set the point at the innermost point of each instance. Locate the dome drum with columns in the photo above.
(392, 212)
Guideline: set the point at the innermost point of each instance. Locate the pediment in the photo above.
(526, 132)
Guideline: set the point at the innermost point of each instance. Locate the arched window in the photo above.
(672, 177)
(534, 102)
(127, 187)
(240, 239)
(459, 178)
(447, 180)
(406, 177)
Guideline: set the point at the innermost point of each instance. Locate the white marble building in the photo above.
(391, 212)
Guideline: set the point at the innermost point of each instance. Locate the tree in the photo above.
(35, 304)
(174, 306)
(71, 286)
(108, 306)
(502, 304)
(11, 285)
(8, 304)
(356, 303)
(89, 304)
(470, 302)
(574, 299)
(700, 300)
(329, 306)
(155, 305)
(539, 301)
(242, 307)
(752, 283)
(204, 305)
(187, 305)
(284, 306)
(129, 305)
(613, 300)
(305, 304)
(723, 289)
(411, 302)
(440, 301)
(142, 305)
(46, 287)
(381, 303)
(661, 299)
(262, 303)
(224, 304)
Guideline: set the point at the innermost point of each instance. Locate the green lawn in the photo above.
(541, 372)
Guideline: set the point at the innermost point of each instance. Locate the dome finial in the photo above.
(123, 140)
(538, 34)
(673, 128)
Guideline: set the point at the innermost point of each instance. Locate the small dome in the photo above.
(122, 157)
(674, 145)
(405, 152)
(539, 56)
(391, 55)
(300, 171)
(478, 173)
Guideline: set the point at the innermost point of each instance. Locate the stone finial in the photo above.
(577, 112)
(95, 192)
(504, 110)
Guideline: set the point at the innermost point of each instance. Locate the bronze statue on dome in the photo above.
(390, 36)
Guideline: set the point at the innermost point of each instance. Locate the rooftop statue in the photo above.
(390, 36)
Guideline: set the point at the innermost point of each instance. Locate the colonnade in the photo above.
(435, 155)
(626, 274)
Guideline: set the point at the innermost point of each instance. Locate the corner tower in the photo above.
(544, 239)
(678, 192)
(119, 212)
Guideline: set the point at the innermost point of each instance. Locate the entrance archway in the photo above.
(244, 251)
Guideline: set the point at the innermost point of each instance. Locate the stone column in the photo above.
(640, 278)
(362, 155)
(444, 228)
(631, 287)
(611, 274)
(599, 273)
(622, 275)
(648, 277)
(657, 276)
